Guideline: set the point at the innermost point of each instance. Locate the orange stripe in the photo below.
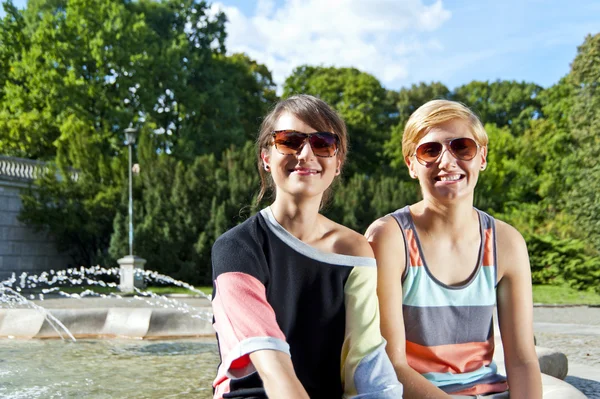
(488, 248)
(454, 358)
(413, 249)
(481, 389)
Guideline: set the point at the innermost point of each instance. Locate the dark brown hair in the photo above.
(315, 113)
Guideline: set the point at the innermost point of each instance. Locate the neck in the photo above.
(450, 217)
(298, 216)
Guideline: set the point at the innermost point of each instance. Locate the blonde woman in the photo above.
(443, 266)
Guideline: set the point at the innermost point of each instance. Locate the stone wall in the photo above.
(21, 248)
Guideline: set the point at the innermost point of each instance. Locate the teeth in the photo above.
(449, 178)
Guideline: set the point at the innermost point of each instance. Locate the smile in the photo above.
(305, 172)
(450, 178)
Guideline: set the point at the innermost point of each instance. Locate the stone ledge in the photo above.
(552, 362)
(145, 323)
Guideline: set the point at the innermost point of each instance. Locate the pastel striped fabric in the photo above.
(449, 329)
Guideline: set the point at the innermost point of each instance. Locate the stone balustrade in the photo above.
(26, 170)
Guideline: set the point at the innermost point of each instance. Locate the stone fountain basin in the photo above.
(110, 318)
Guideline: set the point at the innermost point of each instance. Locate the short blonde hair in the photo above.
(435, 113)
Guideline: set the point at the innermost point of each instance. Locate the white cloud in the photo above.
(378, 36)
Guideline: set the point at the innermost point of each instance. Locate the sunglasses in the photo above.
(462, 148)
(290, 142)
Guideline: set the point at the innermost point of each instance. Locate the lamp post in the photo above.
(130, 137)
(128, 278)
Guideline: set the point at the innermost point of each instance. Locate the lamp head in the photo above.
(130, 135)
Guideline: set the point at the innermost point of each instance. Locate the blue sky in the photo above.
(403, 42)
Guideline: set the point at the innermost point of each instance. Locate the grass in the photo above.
(178, 290)
(564, 295)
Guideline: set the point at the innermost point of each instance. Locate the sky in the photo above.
(404, 42)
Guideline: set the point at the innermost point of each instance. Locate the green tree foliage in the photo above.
(497, 186)
(504, 103)
(361, 199)
(80, 223)
(583, 200)
(554, 261)
(12, 41)
(182, 208)
(361, 101)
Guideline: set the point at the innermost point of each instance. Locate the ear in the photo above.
(411, 167)
(338, 167)
(266, 157)
(483, 158)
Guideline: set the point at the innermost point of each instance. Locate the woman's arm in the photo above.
(277, 374)
(515, 314)
(250, 340)
(387, 242)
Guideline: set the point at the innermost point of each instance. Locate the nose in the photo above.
(446, 158)
(305, 152)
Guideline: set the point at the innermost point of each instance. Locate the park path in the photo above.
(574, 331)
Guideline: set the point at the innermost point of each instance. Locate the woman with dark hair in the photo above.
(293, 292)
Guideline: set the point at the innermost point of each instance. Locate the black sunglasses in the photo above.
(463, 148)
(290, 142)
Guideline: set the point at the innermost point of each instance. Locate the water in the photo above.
(114, 368)
(32, 369)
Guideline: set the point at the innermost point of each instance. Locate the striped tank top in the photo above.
(449, 329)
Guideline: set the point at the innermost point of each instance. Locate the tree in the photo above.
(504, 103)
(583, 200)
(183, 208)
(12, 42)
(241, 93)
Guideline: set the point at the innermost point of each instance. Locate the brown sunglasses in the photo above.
(291, 142)
(462, 148)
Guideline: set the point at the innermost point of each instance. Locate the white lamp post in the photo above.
(128, 277)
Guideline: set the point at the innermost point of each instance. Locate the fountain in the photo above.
(164, 345)
(93, 314)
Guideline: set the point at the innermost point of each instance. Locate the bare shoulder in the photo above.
(346, 241)
(512, 250)
(385, 237)
(384, 229)
(508, 238)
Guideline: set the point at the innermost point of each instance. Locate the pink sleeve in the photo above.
(245, 322)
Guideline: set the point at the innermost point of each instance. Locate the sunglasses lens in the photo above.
(464, 148)
(323, 144)
(429, 152)
(288, 142)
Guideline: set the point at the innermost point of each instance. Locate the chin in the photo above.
(450, 195)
